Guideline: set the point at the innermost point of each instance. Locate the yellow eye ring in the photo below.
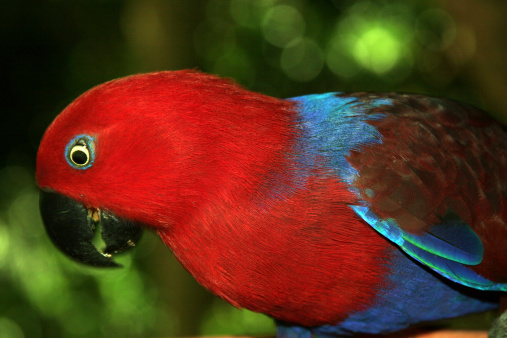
(79, 155)
(80, 152)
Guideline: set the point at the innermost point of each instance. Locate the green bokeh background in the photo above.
(52, 51)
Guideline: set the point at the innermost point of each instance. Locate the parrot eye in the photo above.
(79, 155)
(80, 152)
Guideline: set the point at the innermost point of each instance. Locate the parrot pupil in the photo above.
(79, 157)
(80, 152)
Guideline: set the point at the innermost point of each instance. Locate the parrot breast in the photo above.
(292, 247)
(306, 260)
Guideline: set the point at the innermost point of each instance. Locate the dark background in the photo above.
(52, 51)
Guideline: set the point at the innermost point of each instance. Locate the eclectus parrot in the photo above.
(333, 213)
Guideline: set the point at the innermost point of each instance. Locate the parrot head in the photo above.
(142, 151)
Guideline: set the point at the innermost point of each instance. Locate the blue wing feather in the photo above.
(445, 248)
(449, 268)
(452, 239)
(337, 125)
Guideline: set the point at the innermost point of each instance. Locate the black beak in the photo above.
(70, 225)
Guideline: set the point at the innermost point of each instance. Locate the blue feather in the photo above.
(336, 125)
(326, 118)
(407, 297)
(452, 239)
(445, 248)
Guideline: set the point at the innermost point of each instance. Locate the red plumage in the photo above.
(190, 156)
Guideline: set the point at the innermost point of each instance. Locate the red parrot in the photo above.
(333, 213)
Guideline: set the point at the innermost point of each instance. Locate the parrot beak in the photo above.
(70, 225)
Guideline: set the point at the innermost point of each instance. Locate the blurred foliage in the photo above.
(52, 50)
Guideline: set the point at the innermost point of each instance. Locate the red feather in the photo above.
(192, 157)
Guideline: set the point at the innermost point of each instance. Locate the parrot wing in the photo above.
(430, 174)
(434, 183)
(446, 247)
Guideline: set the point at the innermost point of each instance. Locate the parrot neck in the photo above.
(288, 245)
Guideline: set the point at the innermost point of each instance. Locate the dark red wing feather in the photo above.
(439, 155)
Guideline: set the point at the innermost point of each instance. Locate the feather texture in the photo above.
(333, 213)
(437, 158)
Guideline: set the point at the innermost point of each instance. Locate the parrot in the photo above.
(335, 214)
